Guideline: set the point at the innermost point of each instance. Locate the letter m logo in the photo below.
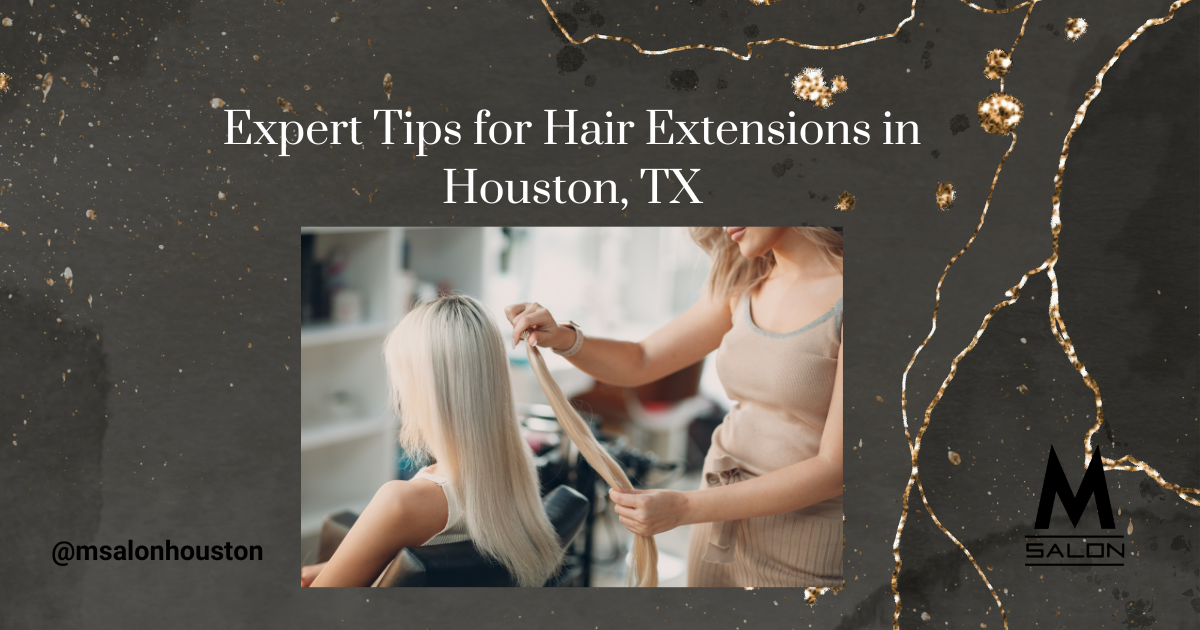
(1056, 483)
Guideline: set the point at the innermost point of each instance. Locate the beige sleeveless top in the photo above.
(782, 384)
(456, 526)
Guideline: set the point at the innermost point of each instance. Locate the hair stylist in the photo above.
(769, 511)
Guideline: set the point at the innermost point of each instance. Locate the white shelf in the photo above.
(315, 335)
(310, 523)
(341, 431)
(321, 229)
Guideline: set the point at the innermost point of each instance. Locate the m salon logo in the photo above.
(1073, 550)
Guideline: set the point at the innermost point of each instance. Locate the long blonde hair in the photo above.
(643, 570)
(731, 273)
(449, 379)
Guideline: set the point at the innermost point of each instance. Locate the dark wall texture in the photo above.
(155, 393)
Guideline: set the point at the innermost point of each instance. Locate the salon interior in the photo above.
(615, 282)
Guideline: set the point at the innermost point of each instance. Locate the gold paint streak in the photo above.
(1057, 324)
(749, 47)
(914, 446)
(1013, 50)
(998, 11)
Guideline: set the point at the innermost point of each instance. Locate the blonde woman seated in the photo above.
(769, 512)
(448, 375)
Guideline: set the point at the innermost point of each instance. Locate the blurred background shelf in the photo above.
(314, 335)
(340, 431)
(347, 438)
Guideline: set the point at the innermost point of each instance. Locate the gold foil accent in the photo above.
(1000, 113)
(750, 46)
(1075, 28)
(809, 86)
(4, 82)
(998, 63)
(945, 195)
(914, 446)
(1012, 51)
(285, 105)
(845, 202)
(1058, 326)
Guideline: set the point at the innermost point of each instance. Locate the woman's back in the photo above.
(456, 526)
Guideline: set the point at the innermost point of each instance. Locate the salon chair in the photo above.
(460, 564)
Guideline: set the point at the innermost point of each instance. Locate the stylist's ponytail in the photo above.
(643, 570)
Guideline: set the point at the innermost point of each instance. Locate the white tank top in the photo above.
(456, 526)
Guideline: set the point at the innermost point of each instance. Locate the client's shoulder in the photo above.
(414, 493)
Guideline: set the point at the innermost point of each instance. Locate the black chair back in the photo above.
(460, 564)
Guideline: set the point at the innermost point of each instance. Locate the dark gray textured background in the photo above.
(130, 447)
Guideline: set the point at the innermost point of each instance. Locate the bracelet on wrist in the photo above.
(578, 340)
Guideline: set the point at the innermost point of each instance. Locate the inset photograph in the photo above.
(571, 406)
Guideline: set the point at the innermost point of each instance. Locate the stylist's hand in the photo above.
(310, 573)
(650, 512)
(543, 330)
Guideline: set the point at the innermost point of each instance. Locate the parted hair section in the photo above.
(731, 273)
(449, 382)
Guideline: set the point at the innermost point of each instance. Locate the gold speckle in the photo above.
(809, 86)
(845, 202)
(217, 103)
(4, 82)
(91, 214)
(945, 195)
(1021, 388)
(1129, 530)
(335, 19)
(1000, 113)
(1075, 28)
(998, 63)
(220, 195)
(322, 109)
(7, 22)
(285, 105)
(47, 83)
(954, 458)
(387, 86)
